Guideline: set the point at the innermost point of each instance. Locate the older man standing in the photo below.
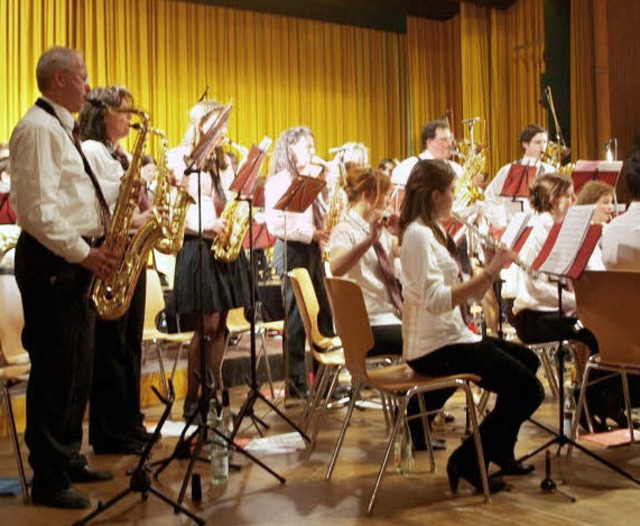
(61, 211)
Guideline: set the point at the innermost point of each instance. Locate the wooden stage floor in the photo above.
(254, 497)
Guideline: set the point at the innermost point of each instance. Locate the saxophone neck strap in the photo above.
(75, 139)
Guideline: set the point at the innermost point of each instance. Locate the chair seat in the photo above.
(330, 358)
(15, 372)
(179, 337)
(272, 326)
(328, 343)
(401, 378)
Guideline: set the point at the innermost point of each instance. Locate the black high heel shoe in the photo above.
(455, 473)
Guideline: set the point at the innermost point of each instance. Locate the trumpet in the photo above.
(495, 244)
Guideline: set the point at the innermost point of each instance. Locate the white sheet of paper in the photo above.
(277, 445)
(515, 228)
(570, 238)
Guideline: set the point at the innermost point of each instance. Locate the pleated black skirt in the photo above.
(226, 285)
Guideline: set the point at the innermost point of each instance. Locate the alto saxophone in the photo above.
(171, 215)
(112, 296)
(228, 244)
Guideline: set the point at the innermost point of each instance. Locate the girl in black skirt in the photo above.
(226, 285)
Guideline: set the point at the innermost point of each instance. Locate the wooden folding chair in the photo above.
(152, 336)
(607, 304)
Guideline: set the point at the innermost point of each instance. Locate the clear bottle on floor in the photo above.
(569, 410)
(403, 450)
(219, 454)
(227, 418)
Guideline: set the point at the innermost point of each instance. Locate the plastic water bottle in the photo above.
(569, 411)
(219, 455)
(403, 451)
(211, 424)
(227, 418)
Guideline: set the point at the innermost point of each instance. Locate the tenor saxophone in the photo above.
(112, 296)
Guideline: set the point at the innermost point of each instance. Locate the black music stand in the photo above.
(302, 192)
(580, 259)
(182, 450)
(140, 480)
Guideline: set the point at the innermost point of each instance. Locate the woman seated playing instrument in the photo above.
(536, 309)
(436, 339)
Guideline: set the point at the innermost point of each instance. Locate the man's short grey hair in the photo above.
(52, 60)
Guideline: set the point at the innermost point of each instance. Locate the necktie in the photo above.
(388, 277)
(104, 208)
(318, 214)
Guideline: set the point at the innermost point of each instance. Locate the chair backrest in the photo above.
(237, 321)
(352, 323)
(11, 321)
(608, 306)
(154, 300)
(307, 302)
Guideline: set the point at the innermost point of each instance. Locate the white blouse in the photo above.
(430, 321)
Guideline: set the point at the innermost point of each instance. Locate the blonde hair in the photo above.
(592, 192)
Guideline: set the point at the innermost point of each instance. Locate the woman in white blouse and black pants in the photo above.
(438, 342)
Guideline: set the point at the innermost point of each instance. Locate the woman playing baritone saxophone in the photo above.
(436, 339)
(115, 419)
(226, 285)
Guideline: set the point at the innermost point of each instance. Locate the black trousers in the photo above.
(507, 369)
(309, 257)
(59, 336)
(387, 339)
(114, 403)
(534, 326)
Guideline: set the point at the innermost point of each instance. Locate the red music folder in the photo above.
(518, 180)
(261, 237)
(579, 257)
(300, 194)
(245, 181)
(585, 171)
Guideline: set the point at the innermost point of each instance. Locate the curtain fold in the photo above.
(583, 82)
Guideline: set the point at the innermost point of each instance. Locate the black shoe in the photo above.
(83, 473)
(515, 468)
(68, 498)
(456, 472)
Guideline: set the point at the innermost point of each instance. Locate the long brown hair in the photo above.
(426, 177)
(281, 158)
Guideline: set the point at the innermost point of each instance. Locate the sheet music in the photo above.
(570, 238)
(602, 166)
(515, 228)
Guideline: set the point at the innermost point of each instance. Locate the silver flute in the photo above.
(495, 244)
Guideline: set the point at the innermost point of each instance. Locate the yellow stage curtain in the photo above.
(583, 82)
(434, 62)
(342, 81)
(517, 63)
